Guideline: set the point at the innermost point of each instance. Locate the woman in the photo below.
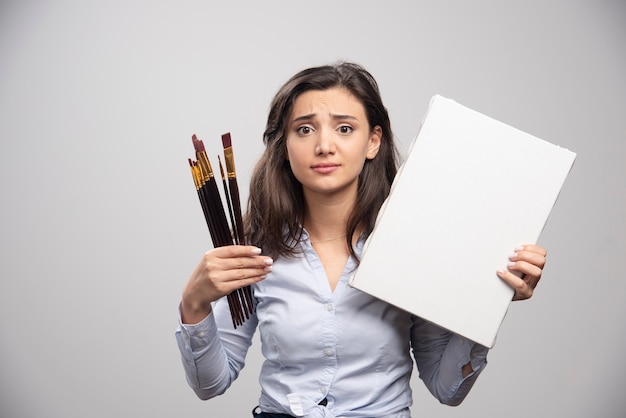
(330, 350)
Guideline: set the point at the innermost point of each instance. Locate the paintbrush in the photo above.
(215, 217)
(229, 158)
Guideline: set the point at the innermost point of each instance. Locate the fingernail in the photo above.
(256, 250)
(513, 255)
(511, 264)
(519, 248)
(500, 272)
(268, 269)
(268, 261)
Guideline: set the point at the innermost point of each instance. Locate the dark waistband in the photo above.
(256, 414)
(270, 415)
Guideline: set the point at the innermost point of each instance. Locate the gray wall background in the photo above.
(101, 226)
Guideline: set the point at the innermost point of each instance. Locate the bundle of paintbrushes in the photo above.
(221, 230)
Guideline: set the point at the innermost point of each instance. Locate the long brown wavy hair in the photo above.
(276, 203)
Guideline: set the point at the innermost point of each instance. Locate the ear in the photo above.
(374, 142)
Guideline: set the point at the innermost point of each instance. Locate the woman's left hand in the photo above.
(529, 260)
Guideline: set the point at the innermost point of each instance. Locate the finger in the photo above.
(243, 279)
(226, 281)
(533, 248)
(230, 251)
(228, 273)
(238, 257)
(216, 261)
(248, 272)
(529, 256)
(525, 268)
(244, 269)
(240, 263)
(521, 286)
(529, 274)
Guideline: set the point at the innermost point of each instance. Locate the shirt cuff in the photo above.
(471, 352)
(196, 337)
(464, 351)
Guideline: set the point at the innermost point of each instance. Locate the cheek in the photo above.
(296, 168)
(294, 162)
(360, 154)
(294, 153)
(289, 149)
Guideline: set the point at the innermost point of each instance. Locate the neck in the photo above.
(327, 219)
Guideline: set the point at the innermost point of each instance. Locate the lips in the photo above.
(325, 168)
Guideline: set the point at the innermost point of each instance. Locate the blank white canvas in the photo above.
(470, 191)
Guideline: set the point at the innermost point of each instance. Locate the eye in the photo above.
(304, 130)
(346, 129)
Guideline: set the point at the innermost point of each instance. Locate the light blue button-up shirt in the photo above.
(345, 346)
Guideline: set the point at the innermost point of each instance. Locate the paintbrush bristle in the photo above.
(226, 141)
(197, 144)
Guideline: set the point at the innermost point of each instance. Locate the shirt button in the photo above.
(329, 307)
(323, 389)
(328, 351)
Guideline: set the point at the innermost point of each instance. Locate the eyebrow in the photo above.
(333, 116)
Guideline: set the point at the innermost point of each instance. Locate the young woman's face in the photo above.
(328, 141)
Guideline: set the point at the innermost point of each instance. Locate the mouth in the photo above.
(325, 167)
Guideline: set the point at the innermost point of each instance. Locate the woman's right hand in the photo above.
(221, 271)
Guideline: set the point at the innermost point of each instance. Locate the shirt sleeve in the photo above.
(213, 351)
(440, 356)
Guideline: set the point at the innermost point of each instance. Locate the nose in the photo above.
(325, 143)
